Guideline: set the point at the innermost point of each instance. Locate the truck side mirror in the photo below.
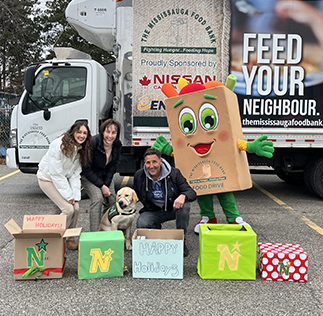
(30, 78)
(47, 115)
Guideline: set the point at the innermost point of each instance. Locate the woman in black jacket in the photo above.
(97, 177)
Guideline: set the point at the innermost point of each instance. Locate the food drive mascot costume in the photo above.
(208, 145)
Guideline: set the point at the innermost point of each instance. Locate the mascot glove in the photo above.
(163, 146)
(261, 147)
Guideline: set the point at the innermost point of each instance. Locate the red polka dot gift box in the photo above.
(282, 262)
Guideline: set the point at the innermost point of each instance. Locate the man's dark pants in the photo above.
(154, 219)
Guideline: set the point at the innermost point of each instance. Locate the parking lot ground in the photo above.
(277, 212)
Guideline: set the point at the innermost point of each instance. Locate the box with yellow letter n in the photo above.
(101, 255)
(227, 252)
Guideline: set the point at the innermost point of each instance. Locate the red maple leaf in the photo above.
(144, 81)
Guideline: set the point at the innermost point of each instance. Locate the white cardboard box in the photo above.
(159, 254)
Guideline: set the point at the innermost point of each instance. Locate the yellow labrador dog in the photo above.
(121, 215)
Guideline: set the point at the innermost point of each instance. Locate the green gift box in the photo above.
(227, 252)
(101, 254)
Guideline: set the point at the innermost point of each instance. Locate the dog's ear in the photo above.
(134, 196)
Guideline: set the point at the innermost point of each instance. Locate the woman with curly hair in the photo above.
(97, 177)
(59, 172)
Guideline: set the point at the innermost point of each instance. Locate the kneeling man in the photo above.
(164, 193)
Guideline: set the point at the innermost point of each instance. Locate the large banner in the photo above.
(277, 56)
(274, 47)
(174, 39)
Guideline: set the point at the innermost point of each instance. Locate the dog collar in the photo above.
(129, 213)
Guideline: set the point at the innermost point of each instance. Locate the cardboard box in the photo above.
(213, 161)
(159, 255)
(101, 255)
(227, 252)
(283, 262)
(40, 246)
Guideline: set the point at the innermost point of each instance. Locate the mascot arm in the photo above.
(260, 146)
(163, 146)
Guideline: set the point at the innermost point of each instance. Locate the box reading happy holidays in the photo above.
(40, 246)
(227, 252)
(158, 253)
(101, 254)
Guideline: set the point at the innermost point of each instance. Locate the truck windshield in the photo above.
(55, 86)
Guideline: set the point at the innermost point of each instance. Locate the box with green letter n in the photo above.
(101, 255)
(227, 252)
(40, 246)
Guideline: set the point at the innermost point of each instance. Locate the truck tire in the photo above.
(293, 178)
(308, 176)
(316, 177)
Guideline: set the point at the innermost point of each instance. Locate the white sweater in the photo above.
(62, 171)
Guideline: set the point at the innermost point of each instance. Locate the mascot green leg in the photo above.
(206, 210)
(206, 205)
(229, 207)
(227, 202)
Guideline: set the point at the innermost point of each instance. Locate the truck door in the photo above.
(60, 95)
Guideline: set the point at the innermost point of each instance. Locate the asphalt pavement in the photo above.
(277, 212)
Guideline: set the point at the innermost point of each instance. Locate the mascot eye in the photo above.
(208, 116)
(187, 121)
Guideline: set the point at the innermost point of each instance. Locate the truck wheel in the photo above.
(316, 177)
(308, 176)
(293, 178)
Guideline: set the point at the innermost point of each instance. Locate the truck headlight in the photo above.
(13, 138)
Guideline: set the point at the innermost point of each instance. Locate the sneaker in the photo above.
(204, 220)
(239, 221)
(72, 244)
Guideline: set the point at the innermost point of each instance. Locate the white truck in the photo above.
(277, 62)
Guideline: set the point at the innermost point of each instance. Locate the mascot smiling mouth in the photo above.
(203, 149)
